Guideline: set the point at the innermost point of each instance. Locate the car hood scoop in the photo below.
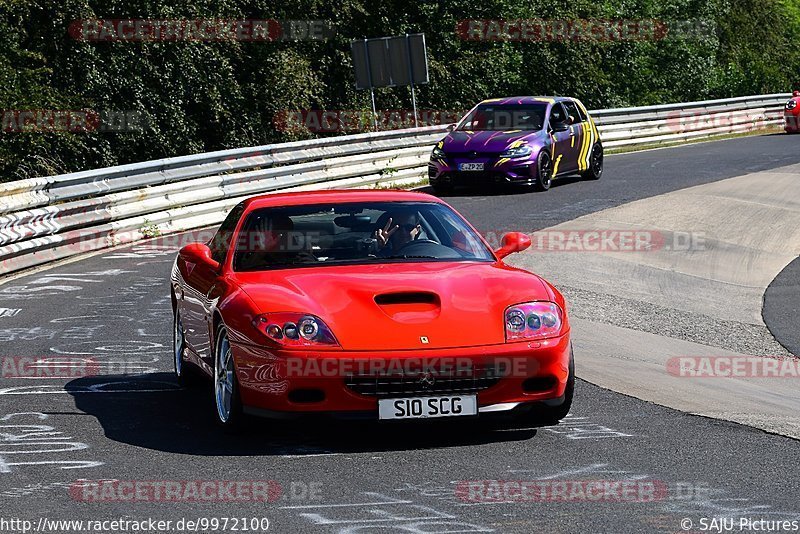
(411, 307)
(399, 307)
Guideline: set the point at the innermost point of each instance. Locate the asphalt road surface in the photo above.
(72, 448)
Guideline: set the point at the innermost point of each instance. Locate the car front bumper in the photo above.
(289, 383)
(511, 171)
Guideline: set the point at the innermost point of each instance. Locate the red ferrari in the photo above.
(791, 114)
(377, 304)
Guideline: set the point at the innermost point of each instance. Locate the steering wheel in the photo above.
(417, 242)
(439, 251)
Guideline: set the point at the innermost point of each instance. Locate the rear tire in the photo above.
(595, 170)
(544, 172)
(185, 372)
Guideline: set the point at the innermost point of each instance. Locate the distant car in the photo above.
(791, 114)
(527, 141)
(377, 304)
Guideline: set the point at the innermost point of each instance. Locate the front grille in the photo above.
(434, 382)
(469, 156)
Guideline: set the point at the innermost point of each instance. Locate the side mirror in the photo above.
(795, 93)
(451, 127)
(561, 126)
(513, 242)
(199, 253)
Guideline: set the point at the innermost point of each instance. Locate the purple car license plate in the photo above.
(470, 166)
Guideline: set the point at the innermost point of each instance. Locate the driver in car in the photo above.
(401, 228)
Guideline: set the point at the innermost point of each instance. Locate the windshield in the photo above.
(329, 234)
(492, 117)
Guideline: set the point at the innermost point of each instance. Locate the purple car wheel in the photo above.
(544, 172)
(595, 170)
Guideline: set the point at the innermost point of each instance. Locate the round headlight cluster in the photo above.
(293, 329)
(791, 104)
(531, 320)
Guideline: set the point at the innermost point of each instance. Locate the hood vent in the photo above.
(411, 297)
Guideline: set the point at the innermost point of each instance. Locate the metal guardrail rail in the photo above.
(55, 217)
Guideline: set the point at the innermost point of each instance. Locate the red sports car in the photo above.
(791, 114)
(377, 304)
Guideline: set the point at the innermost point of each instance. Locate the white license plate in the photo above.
(470, 166)
(427, 407)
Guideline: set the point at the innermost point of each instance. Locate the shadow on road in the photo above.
(151, 411)
(491, 190)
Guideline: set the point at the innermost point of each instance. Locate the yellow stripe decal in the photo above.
(555, 165)
(582, 157)
(593, 132)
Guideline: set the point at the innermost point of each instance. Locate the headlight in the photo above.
(519, 152)
(533, 320)
(437, 153)
(791, 104)
(295, 329)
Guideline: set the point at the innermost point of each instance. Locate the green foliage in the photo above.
(201, 96)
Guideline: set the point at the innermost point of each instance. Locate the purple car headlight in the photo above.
(518, 152)
(533, 320)
(437, 153)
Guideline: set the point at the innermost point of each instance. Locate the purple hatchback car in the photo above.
(525, 140)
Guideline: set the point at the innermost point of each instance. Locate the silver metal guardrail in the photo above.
(55, 217)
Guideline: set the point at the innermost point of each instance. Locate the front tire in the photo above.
(595, 170)
(544, 172)
(228, 412)
(548, 415)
